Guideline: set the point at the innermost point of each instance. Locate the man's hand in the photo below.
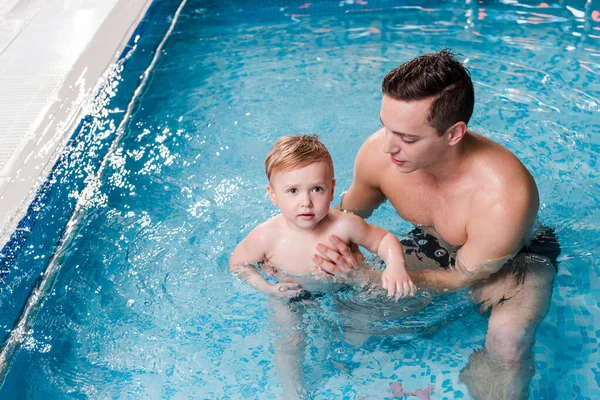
(397, 284)
(284, 290)
(336, 259)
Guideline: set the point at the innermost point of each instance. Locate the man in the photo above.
(473, 202)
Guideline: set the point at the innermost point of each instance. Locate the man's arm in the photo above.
(364, 194)
(494, 235)
(249, 252)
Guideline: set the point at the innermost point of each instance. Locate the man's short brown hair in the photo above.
(295, 152)
(435, 75)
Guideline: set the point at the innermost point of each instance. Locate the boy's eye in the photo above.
(407, 141)
(318, 189)
(292, 191)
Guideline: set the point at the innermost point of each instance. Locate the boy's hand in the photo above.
(397, 284)
(284, 289)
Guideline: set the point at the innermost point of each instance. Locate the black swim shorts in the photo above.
(305, 295)
(544, 243)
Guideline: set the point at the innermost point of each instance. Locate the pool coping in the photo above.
(25, 173)
(42, 281)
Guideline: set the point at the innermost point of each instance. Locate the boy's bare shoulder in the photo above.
(267, 230)
(345, 216)
(344, 221)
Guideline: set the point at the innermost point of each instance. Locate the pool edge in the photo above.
(38, 153)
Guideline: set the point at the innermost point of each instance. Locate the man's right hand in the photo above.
(338, 259)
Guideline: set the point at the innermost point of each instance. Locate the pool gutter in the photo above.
(44, 283)
(52, 61)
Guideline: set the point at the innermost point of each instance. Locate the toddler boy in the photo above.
(301, 184)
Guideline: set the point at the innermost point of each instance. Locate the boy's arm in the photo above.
(395, 278)
(376, 240)
(249, 252)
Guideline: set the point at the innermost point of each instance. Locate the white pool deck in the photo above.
(52, 54)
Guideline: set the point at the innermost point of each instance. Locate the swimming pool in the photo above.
(143, 305)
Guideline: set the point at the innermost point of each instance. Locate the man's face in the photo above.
(303, 195)
(410, 141)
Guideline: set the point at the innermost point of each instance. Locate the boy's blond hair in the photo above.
(294, 152)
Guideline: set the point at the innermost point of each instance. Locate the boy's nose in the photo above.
(306, 201)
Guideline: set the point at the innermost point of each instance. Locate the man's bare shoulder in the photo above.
(373, 145)
(502, 180)
(365, 193)
(369, 162)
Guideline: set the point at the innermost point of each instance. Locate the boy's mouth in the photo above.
(306, 216)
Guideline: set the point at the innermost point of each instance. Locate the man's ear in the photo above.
(272, 195)
(456, 132)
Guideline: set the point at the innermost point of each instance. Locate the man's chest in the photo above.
(421, 203)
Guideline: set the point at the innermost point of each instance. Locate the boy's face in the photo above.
(303, 195)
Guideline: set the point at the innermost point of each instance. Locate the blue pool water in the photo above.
(143, 305)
